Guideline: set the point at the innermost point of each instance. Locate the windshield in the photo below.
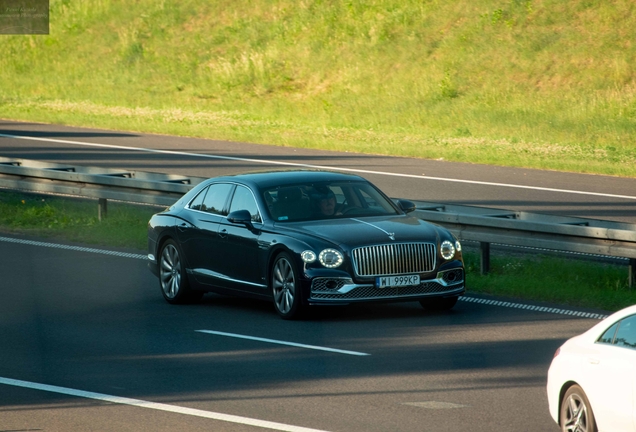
(314, 201)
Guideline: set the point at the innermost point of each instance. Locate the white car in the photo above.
(592, 379)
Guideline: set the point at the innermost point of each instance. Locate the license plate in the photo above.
(397, 281)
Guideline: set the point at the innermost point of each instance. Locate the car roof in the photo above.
(280, 178)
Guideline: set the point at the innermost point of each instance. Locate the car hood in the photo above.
(351, 232)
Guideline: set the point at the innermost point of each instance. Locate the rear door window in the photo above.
(197, 202)
(215, 200)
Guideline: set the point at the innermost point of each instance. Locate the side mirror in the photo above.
(406, 206)
(242, 217)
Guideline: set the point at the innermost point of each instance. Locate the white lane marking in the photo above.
(157, 406)
(297, 345)
(463, 298)
(533, 308)
(360, 171)
(73, 248)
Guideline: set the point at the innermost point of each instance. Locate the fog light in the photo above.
(308, 256)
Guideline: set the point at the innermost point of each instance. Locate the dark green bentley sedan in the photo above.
(302, 238)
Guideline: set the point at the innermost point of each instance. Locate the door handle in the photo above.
(593, 360)
(223, 233)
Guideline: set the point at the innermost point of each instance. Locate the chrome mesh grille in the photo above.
(368, 292)
(394, 259)
(320, 284)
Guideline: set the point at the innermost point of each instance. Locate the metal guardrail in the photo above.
(94, 182)
(487, 225)
(483, 225)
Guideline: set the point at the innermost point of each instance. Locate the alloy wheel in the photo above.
(170, 271)
(576, 413)
(283, 286)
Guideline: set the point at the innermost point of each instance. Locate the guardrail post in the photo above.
(484, 249)
(632, 272)
(102, 208)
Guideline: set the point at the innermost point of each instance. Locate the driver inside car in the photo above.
(326, 203)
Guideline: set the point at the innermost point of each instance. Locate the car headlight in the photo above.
(330, 258)
(458, 246)
(447, 250)
(308, 256)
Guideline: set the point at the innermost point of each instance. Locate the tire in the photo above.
(173, 279)
(575, 414)
(439, 303)
(285, 287)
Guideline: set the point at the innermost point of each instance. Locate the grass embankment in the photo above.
(74, 220)
(535, 83)
(534, 277)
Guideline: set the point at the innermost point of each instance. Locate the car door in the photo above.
(199, 238)
(243, 267)
(612, 369)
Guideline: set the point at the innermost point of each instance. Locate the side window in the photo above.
(608, 336)
(196, 203)
(626, 334)
(244, 200)
(215, 199)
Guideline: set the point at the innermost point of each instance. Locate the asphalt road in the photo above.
(566, 194)
(96, 327)
(87, 342)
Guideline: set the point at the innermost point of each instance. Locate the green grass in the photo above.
(534, 83)
(533, 277)
(74, 220)
(568, 281)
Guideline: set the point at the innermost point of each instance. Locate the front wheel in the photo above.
(285, 287)
(172, 277)
(439, 303)
(576, 413)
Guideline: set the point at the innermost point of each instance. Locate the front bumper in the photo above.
(153, 265)
(342, 290)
